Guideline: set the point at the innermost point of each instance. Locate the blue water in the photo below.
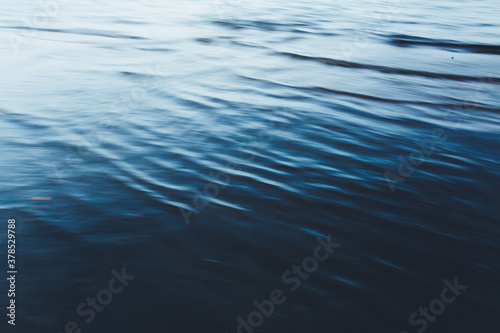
(206, 145)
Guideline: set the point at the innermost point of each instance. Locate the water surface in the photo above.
(205, 146)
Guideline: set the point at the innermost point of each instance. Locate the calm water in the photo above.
(206, 145)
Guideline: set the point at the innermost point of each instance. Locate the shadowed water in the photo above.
(205, 146)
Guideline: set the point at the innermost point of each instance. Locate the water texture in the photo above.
(207, 145)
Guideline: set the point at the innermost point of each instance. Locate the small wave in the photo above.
(398, 101)
(85, 32)
(457, 102)
(409, 41)
(391, 70)
(263, 25)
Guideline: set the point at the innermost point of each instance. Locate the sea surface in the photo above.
(207, 147)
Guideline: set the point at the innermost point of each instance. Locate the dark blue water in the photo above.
(207, 147)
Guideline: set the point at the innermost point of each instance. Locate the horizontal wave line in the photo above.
(408, 41)
(83, 32)
(397, 101)
(391, 70)
(459, 103)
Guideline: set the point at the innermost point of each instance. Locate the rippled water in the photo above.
(205, 146)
